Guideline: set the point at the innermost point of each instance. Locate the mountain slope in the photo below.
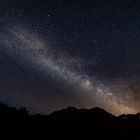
(70, 123)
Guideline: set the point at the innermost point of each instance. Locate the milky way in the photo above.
(55, 54)
(37, 54)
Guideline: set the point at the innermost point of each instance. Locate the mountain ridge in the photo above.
(95, 122)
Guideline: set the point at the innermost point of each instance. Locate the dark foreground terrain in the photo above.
(69, 123)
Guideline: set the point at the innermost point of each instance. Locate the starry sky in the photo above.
(59, 53)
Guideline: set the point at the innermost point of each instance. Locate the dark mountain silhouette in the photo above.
(69, 123)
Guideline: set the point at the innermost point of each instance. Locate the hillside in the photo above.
(69, 123)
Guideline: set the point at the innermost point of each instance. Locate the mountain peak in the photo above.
(71, 108)
(98, 109)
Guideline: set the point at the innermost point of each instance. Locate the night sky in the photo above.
(59, 53)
